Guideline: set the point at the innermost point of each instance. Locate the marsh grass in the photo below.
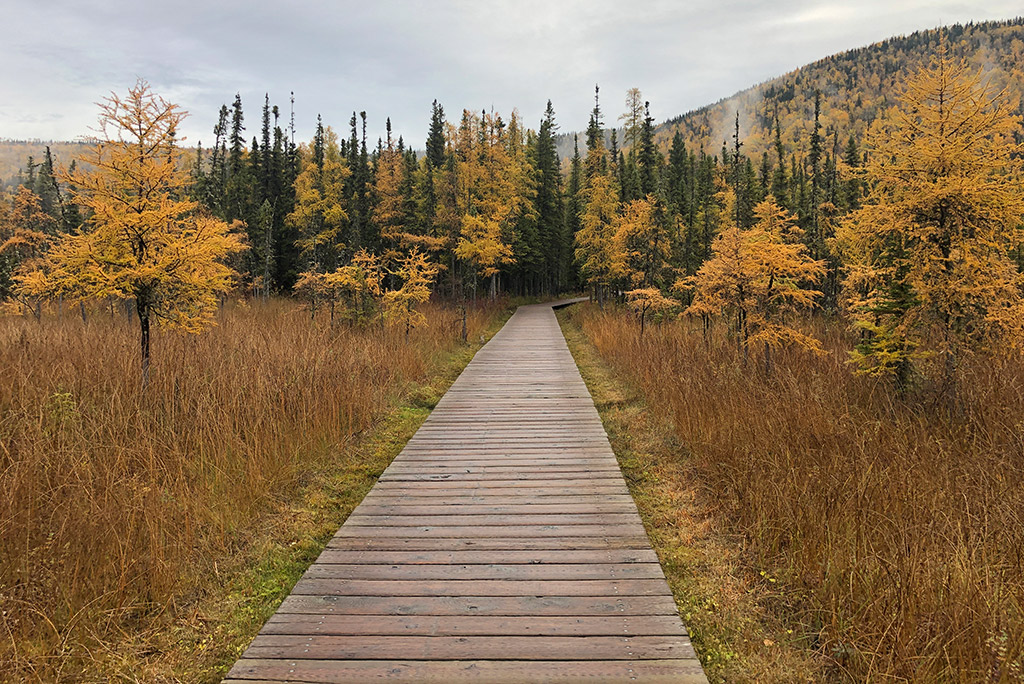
(120, 507)
(889, 532)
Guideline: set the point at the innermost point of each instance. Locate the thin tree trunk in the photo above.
(81, 310)
(143, 312)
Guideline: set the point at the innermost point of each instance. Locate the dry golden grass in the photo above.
(116, 506)
(727, 608)
(890, 536)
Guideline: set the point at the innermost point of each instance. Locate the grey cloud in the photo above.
(393, 57)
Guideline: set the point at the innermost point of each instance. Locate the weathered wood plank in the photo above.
(419, 543)
(609, 606)
(476, 520)
(546, 571)
(681, 671)
(470, 647)
(472, 625)
(328, 586)
(489, 531)
(557, 556)
(398, 508)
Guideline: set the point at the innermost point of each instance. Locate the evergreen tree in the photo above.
(435, 136)
(550, 212)
(780, 184)
(647, 155)
(48, 191)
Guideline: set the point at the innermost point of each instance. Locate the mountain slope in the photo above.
(856, 87)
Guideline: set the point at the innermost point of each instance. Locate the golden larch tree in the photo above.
(492, 201)
(757, 277)
(26, 233)
(319, 213)
(360, 283)
(143, 240)
(929, 273)
(595, 239)
(641, 245)
(389, 209)
(647, 301)
(417, 276)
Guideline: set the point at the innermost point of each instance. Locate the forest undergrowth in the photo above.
(125, 512)
(885, 534)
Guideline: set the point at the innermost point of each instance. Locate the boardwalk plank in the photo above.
(501, 545)
(559, 556)
(472, 625)
(323, 583)
(683, 671)
(532, 571)
(470, 647)
(563, 606)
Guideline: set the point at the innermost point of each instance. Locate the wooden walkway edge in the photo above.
(501, 545)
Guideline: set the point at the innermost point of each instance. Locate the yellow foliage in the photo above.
(595, 249)
(928, 254)
(758, 277)
(641, 243)
(492, 192)
(25, 237)
(648, 300)
(417, 276)
(319, 212)
(143, 241)
(389, 211)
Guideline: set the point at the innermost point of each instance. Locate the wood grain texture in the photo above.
(500, 546)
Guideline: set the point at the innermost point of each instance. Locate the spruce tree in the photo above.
(435, 136)
(550, 214)
(647, 155)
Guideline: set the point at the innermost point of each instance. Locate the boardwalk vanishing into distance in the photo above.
(501, 545)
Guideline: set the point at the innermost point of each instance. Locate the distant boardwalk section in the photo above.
(500, 546)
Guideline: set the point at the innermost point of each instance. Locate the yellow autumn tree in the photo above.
(595, 248)
(417, 276)
(647, 301)
(641, 246)
(758, 277)
(492, 202)
(26, 233)
(319, 213)
(930, 278)
(143, 240)
(389, 209)
(360, 284)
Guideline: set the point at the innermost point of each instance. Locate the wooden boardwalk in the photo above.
(501, 545)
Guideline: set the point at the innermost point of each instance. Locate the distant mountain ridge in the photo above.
(14, 155)
(856, 87)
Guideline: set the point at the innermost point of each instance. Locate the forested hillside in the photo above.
(18, 156)
(856, 87)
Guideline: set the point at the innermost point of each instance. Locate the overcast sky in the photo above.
(393, 57)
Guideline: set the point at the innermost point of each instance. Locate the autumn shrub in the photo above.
(892, 531)
(116, 502)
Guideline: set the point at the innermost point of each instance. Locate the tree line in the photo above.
(915, 242)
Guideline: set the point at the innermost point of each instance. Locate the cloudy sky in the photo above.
(393, 57)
